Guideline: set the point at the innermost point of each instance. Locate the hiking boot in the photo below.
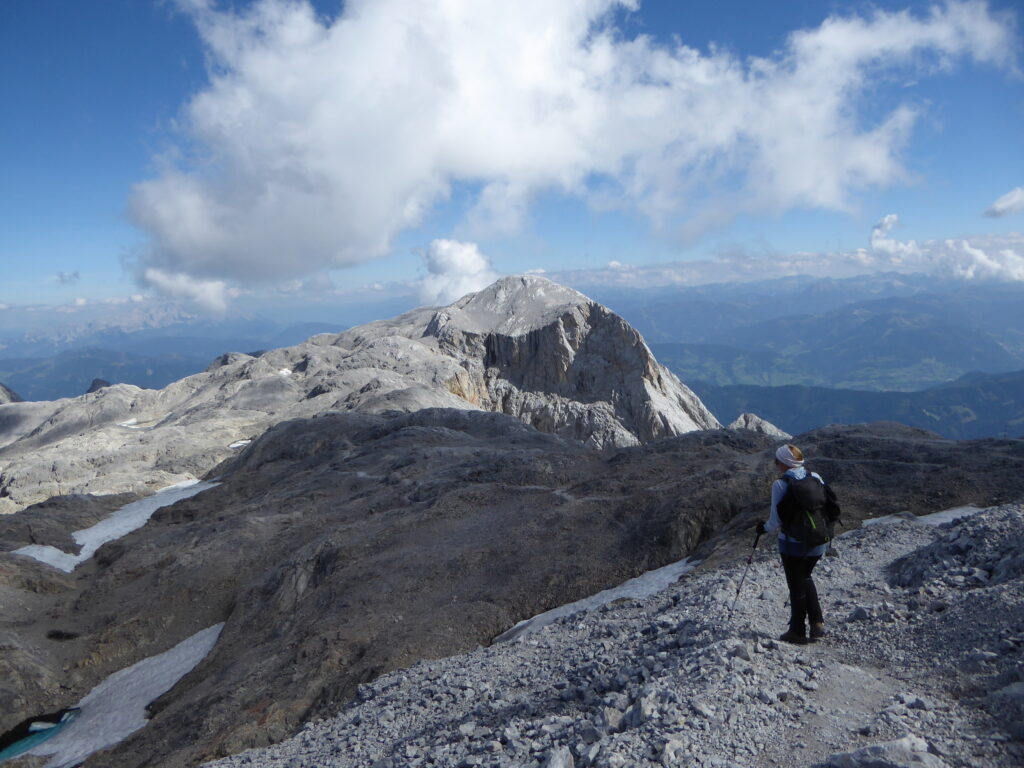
(818, 631)
(792, 636)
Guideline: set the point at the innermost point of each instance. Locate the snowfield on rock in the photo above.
(116, 707)
(122, 522)
(923, 666)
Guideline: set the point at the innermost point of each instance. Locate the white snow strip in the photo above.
(947, 515)
(116, 708)
(125, 520)
(239, 443)
(285, 372)
(130, 424)
(935, 518)
(644, 585)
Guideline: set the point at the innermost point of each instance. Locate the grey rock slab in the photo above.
(560, 757)
(907, 752)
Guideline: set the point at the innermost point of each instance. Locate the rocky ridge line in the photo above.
(926, 675)
(8, 395)
(524, 346)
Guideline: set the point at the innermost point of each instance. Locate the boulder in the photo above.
(908, 752)
(755, 423)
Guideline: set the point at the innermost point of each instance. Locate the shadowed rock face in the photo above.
(349, 544)
(524, 346)
(8, 395)
(97, 385)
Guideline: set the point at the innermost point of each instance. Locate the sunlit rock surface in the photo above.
(524, 346)
(755, 423)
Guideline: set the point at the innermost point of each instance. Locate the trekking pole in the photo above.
(750, 559)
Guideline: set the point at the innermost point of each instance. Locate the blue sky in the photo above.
(212, 152)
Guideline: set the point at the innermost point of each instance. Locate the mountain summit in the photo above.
(524, 346)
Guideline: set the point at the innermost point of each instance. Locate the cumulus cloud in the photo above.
(1011, 202)
(455, 269)
(979, 257)
(317, 140)
(211, 295)
(989, 257)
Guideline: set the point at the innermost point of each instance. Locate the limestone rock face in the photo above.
(755, 423)
(524, 346)
(564, 364)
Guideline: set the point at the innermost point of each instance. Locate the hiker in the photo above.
(802, 512)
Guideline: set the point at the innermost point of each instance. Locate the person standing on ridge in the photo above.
(803, 511)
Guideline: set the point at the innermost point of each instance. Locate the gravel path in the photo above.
(923, 666)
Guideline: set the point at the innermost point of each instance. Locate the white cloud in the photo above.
(317, 141)
(980, 257)
(455, 269)
(1011, 202)
(977, 258)
(211, 295)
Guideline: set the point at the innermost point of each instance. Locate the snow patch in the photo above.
(239, 443)
(122, 522)
(935, 518)
(644, 585)
(285, 372)
(116, 708)
(948, 515)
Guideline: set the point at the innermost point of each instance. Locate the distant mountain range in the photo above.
(150, 358)
(859, 349)
(974, 406)
(885, 332)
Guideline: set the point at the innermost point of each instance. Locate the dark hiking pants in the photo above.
(803, 596)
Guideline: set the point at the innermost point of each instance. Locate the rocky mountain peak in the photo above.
(563, 363)
(524, 346)
(8, 395)
(512, 306)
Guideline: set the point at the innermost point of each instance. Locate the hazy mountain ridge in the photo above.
(754, 331)
(150, 358)
(876, 332)
(976, 405)
(69, 374)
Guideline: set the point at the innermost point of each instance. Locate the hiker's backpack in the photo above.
(808, 510)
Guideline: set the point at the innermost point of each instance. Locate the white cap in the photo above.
(785, 455)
